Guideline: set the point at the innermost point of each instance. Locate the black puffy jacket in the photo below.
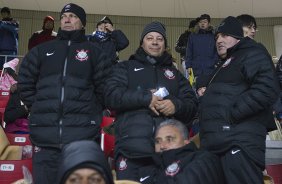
(236, 109)
(186, 165)
(61, 82)
(128, 91)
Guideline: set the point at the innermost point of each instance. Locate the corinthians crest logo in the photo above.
(169, 74)
(81, 55)
(122, 164)
(172, 169)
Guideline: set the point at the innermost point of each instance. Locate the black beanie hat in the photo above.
(77, 10)
(230, 26)
(154, 26)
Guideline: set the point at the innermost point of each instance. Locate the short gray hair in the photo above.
(174, 123)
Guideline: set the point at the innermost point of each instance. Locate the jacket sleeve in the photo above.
(120, 40)
(11, 26)
(204, 169)
(189, 52)
(28, 76)
(263, 91)
(279, 71)
(101, 72)
(119, 97)
(186, 103)
(180, 46)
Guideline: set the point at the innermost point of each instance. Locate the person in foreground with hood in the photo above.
(62, 82)
(43, 35)
(144, 91)
(84, 161)
(236, 108)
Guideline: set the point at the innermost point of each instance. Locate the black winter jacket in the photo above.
(14, 109)
(116, 42)
(236, 109)
(181, 43)
(186, 165)
(128, 92)
(62, 82)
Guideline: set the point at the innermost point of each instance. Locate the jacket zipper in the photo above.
(63, 95)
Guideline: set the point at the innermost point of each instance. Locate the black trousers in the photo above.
(45, 165)
(129, 168)
(239, 168)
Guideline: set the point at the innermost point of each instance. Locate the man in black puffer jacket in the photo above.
(131, 92)
(61, 82)
(179, 161)
(236, 109)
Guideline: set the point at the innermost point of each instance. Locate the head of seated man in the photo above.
(170, 134)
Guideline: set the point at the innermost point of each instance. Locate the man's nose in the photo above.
(163, 146)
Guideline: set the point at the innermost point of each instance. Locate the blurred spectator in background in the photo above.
(201, 54)
(249, 25)
(16, 113)
(181, 44)
(110, 40)
(8, 36)
(43, 35)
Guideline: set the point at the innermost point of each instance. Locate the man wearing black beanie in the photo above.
(144, 91)
(61, 83)
(236, 109)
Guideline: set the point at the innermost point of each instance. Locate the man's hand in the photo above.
(154, 101)
(166, 107)
(109, 27)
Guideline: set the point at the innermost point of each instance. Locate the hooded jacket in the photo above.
(43, 35)
(62, 83)
(236, 109)
(128, 92)
(83, 154)
(185, 165)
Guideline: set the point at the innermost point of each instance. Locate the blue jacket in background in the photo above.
(9, 36)
(201, 54)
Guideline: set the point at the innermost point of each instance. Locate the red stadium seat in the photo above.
(275, 171)
(12, 170)
(18, 139)
(106, 121)
(107, 140)
(4, 98)
(107, 144)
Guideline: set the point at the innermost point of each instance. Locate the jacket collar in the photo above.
(75, 36)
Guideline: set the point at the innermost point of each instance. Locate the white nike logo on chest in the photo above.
(137, 69)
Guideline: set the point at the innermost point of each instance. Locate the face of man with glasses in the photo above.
(250, 31)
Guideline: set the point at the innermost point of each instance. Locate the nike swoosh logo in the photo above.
(234, 152)
(49, 54)
(143, 179)
(137, 69)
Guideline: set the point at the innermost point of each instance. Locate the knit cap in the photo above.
(154, 26)
(77, 10)
(230, 26)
